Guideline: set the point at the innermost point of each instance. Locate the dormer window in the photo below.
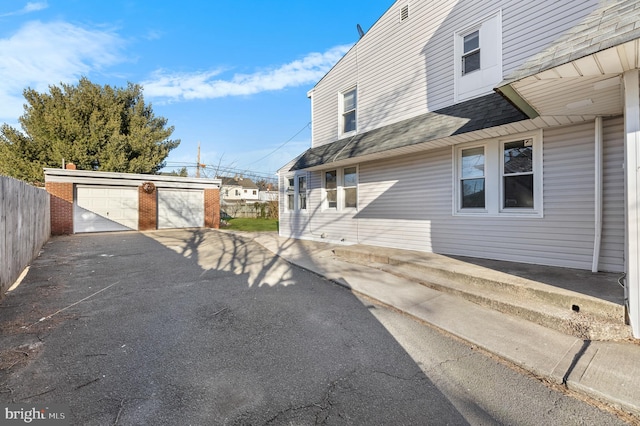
(478, 58)
(471, 55)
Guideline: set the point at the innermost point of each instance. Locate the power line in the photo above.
(288, 140)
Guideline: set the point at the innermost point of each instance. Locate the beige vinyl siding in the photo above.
(404, 69)
(406, 202)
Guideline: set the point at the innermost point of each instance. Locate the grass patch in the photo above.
(252, 225)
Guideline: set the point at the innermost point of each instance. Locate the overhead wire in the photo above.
(286, 142)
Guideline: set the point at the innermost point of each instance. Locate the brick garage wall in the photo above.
(212, 208)
(147, 209)
(61, 207)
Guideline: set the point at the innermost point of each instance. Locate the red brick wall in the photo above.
(61, 207)
(147, 209)
(212, 208)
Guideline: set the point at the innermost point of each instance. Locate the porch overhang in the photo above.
(578, 77)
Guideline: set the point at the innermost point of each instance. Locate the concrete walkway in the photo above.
(608, 371)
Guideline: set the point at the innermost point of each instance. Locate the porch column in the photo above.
(632, 195)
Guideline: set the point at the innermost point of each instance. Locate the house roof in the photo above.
(612, 24)
(476, 114)
(238, 181)
(127, 179)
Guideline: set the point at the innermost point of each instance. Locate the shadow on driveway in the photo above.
(201, 327)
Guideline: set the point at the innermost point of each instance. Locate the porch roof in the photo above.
(481, 113)
(578, 75)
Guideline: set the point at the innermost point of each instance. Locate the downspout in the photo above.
(598, 194)
(631, 80)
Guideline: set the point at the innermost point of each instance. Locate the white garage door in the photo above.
(105, 208)
(180, 208)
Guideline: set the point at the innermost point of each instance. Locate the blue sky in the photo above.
(231, 75)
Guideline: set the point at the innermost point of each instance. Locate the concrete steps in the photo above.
(570, 312)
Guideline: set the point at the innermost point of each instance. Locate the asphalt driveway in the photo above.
(201, 327)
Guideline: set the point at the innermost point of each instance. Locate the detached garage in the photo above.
(87, 201)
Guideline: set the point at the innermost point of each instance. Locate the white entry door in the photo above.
(180, 208)
(105, 208)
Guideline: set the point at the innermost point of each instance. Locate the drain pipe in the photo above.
(598, 193)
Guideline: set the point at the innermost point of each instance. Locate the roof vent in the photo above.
(404, 12)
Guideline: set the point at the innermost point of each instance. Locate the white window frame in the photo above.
(298, 192)
(342, 112)
(340, 189)
(466, 54)
(482, 81)
(460, 177)
(295, 192)
(289, 191)
(494, 182)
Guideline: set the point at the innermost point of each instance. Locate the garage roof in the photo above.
(127, 179)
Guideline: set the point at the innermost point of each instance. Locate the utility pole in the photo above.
(198, 163)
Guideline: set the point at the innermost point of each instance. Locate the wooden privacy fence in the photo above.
(25, 226)
(267, 210)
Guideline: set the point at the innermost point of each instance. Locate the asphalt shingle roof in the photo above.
(242, 182)
(476, 114)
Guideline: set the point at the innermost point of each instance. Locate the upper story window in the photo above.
(500, 177)
(348, 111)
(478, 58)
(471, 52)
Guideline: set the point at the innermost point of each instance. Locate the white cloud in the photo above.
(41, 54)
(30, 7)
(204, 85)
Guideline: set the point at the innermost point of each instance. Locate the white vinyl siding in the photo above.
(406, 202)
(404, 69)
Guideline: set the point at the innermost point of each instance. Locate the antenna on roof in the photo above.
(360, 31)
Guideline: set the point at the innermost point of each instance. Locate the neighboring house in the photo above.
(268, 195)
(239, 190)
(498, 129)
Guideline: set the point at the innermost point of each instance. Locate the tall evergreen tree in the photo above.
(95, 127)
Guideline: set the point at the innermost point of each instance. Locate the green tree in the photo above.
(182, 172)
(94, 127)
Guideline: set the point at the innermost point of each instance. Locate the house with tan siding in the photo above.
(499, 129)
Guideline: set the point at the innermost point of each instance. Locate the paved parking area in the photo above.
(200, 327)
